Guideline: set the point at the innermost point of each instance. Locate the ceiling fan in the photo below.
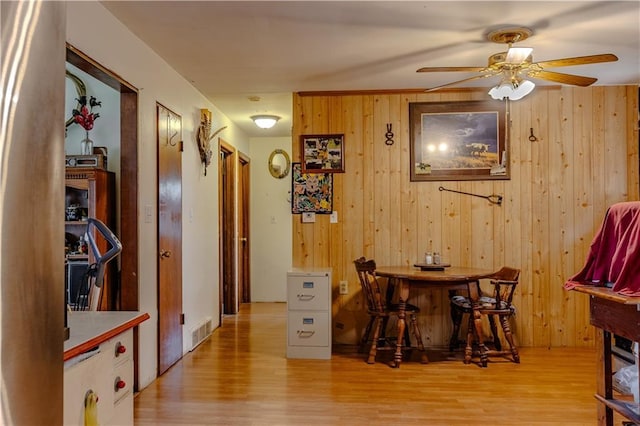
(516, 64)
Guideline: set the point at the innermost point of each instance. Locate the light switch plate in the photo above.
(148, 213)
(334, 217)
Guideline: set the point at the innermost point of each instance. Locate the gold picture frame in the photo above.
(458, 140)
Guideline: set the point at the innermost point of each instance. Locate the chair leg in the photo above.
(504, 320)
(494, 332)
(456, 319)
(374, 343)
(418, 336)
(468, 349)
(365, 337)
(475, 332)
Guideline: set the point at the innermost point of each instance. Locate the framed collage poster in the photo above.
(311, 192)
(322, 153)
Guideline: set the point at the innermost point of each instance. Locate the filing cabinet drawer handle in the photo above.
(306, 296)
(303, 333)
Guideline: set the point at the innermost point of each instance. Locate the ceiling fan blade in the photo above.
(579, 60)
(476, 77)
(448, 69)
(575, 80)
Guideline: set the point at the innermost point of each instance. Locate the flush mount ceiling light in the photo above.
(265, 121)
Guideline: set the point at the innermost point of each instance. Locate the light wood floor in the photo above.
(240, 376)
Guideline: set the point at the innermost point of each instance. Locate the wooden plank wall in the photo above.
(585, 159)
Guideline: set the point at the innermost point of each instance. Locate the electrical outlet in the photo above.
(344, 287)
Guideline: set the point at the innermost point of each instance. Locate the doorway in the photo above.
(226, 195)
(128, 229)
(127, 291)
(244, 276)
(233, 184)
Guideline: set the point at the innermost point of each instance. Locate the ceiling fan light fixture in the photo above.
(501, 91)
(265, 121)
(512, 89)
(522, 89)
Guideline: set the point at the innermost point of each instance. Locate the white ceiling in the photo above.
(234, 50)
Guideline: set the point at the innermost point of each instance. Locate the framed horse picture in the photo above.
(458, 140)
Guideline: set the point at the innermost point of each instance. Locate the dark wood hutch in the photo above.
(89, 192)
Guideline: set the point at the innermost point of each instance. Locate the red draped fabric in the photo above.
(614, 254)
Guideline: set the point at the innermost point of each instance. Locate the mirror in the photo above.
(279, 163)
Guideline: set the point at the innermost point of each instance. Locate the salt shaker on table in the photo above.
(428, 258)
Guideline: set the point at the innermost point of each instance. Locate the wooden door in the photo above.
(244, 277)
(226, 191)
(170, 318)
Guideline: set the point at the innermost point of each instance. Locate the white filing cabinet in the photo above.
(309, 314)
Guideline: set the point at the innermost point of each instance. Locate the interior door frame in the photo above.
(227, 159)
(244, 228)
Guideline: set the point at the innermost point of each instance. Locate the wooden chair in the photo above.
(477, 305)
(380, 309)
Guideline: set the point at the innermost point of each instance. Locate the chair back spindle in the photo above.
(370, 287)
(504, 284)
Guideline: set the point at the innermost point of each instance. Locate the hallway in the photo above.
(240, 376)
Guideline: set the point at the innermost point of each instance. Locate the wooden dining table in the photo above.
(406, 277)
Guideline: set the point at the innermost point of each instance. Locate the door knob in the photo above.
(243, 239)
(164, 254)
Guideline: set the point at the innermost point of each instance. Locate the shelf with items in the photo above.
(77, 256)
(74, 239)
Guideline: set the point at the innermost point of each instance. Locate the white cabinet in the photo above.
(99, 359)
(108, 372)
(309, 314)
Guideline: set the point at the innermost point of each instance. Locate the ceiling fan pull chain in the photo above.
(389, 135)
